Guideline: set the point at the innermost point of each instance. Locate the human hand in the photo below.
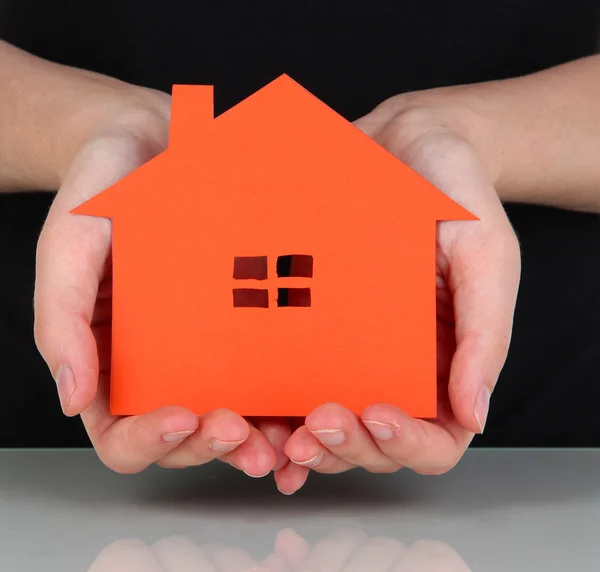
(478, 270)
(112, 129)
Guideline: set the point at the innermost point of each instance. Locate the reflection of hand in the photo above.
(351, 551)
(341, 551)
(431, 556)
(176, 554)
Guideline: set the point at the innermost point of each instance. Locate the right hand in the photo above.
(114, 130)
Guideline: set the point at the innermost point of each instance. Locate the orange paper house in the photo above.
(272, 259)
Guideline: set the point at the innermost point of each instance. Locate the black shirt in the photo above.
(352, 55)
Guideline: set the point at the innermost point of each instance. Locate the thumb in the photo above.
(484, 280)
(72, 258)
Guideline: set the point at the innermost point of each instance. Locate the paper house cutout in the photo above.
(201, 317)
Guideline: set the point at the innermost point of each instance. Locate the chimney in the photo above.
(192, 107)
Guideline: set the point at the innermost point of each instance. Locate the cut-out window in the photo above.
(294, 297)
(247, 268)
(295, 266)
(250, 268)
(250, 298)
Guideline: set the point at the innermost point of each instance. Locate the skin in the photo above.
(476, 263)
(525, 139)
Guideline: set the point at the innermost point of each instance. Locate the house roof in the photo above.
(276, 143)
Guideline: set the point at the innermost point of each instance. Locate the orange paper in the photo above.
(270, 260)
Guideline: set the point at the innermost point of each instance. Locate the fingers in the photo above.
(69, 264)
(334, 440)
(130, 444)
(71, 260)
(291, 478)
(218, 433)
(426, 447)
(484, 281)
(277, 432)
(307, 452)
(226, 436)
(346, 437)
(383, 440)
(255, 456)
(482, 261)
(174, 437)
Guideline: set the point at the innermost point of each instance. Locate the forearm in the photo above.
(540, 135)
(46, 112)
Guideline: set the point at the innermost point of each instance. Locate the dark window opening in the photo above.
(250, 298)
(294, 297)
(295, 266)
(250, 268)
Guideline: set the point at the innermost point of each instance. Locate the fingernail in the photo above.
(256, 476)
(482, 407)
(176, 437)
(381, 431)
(333, 437)
(284, 493)
(313, 462)
(224, 446)
(65, 382)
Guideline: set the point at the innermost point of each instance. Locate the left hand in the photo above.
(478, 271)
(118, 127)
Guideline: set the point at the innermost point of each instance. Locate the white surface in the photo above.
(497, 511)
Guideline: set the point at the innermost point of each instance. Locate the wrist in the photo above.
(462, 112)
(106, 110)
(48, 111)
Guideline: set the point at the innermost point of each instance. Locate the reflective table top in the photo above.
(499, 510)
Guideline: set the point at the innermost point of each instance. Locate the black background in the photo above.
(352, 55)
